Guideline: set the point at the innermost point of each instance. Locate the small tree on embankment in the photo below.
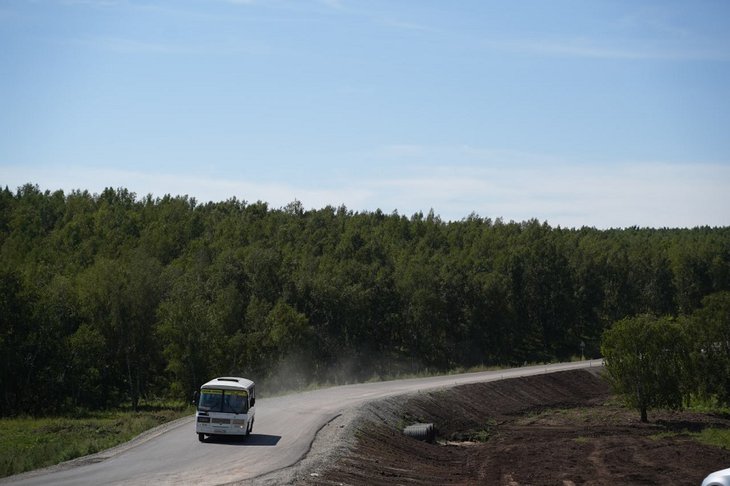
(646, 359)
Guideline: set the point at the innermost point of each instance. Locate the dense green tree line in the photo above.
(107, 298)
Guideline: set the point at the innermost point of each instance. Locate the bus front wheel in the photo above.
(201, 437)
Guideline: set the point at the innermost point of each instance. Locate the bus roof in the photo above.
(229, 383)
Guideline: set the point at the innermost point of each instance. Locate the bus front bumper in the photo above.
(221, 426)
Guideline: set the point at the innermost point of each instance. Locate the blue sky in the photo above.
(605, 114)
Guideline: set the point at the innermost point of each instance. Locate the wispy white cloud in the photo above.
(403, 150)
(203, 188)
(653, 19)
(592, 49)
(137, 46)
(643, 194)
(93, 3)
(375, 17)
(404, 25)
(118, 44)
(466, 154)
(651, 194)
(336, 4)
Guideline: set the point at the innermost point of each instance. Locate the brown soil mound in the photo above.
(555, 429)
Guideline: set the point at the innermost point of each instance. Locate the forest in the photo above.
(109, 298)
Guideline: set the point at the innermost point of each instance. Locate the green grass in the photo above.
(664, 435)
(707, 405)
(711, 436)
(714, 437)
(476, 435)
(28, 443)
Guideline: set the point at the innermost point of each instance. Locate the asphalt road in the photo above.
(283, 432)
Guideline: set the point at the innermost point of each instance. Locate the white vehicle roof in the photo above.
(229, 383)
(718, 478)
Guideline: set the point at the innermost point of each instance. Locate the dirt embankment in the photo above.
(553, 429)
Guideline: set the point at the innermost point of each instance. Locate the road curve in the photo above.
(284, 430)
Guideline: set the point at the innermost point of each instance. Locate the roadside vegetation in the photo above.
(715, 437)
(672, 363)
(109, 298)
(33, 442)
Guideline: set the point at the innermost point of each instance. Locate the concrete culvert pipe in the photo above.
(424, 432)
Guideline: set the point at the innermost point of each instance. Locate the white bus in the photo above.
(226, 407)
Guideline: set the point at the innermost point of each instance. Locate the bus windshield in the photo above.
(228, 401)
